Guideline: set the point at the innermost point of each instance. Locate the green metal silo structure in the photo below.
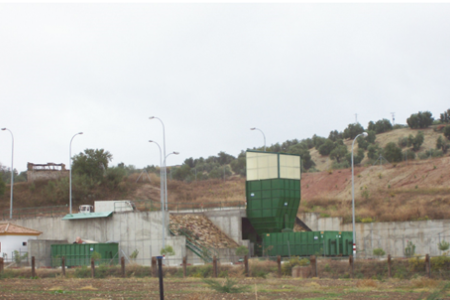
(272, 190)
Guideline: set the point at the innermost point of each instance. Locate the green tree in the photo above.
(114, 176)
(447, 132)
(357, 158)
(339, 153)
(403, 142)
(335, 135)
(301, 150)
(362, 142)
(420, 120)
(239, 165)
(409, 154)
(442, 144)
(417, 141)
(92, 163)
(352, 131)
(445, 117)
(181, 173)
(225, 159)
(371, 136)
(392, 153)
(326, 147)
(380, 126)
(373, 151)
(318, 141)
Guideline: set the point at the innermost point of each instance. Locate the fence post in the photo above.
(160, 275)
(154, 270)
(122, 263)
(33, 269)
(246, 265)
(279, 265)
(350, 260)
(313, 260)
(427, 265)
(214, 266)
(389, 261)
(184, 266)
(92, 268)
(63, 265)
(1, 264)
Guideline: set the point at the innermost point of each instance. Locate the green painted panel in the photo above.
(328, 243)
(80, 254)
(272, 204)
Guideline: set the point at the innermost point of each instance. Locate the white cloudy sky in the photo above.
(210, 72)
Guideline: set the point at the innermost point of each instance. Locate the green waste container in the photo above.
(81, 254)
(320, 243)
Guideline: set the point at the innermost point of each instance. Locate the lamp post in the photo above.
(161, 187)
(165, 183)
(353, 196)
(254, 128)
(12, 173)
(70, 163)
(164, 150)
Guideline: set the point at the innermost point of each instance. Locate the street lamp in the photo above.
(12, 173)
(161, 181)
(254, 128)
(353, 197)
(70, 163)
(164, 150)
(165, 183)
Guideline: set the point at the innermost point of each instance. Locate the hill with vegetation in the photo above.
(400, 174)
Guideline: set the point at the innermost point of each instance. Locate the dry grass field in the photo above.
(196, 289)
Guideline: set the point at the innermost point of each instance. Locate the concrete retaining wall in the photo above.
(392, 237)
(140, 231)
(41, 250)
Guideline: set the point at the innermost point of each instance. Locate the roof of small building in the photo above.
(13, 229)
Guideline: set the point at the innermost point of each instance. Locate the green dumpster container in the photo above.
(81, 254)
(320, 243)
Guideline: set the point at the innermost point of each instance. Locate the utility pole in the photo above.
(393, 118)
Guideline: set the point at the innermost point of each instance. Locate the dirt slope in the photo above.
(417, 190)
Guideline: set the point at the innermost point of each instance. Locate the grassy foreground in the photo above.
(193, 288)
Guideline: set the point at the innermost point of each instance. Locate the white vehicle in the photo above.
(108, 205)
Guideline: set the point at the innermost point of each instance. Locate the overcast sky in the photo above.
(210, 72)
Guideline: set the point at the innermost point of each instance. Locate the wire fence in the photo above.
(437, 267)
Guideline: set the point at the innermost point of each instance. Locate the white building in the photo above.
(15, 238)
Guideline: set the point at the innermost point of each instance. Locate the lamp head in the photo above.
(176, 153)
(152, 117)
(253, 128)
(80, 133)
(151, 141)
(364, 133)
(3, 128)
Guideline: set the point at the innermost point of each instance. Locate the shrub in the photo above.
(241, 251)
(286, 268)
(410, 249)
(420, 120)
(440, 262)
(443, 246)
(379, 252)
(228, 286)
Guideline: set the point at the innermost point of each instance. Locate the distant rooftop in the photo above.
(13, 229)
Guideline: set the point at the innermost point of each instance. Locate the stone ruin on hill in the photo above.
(47, 171)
